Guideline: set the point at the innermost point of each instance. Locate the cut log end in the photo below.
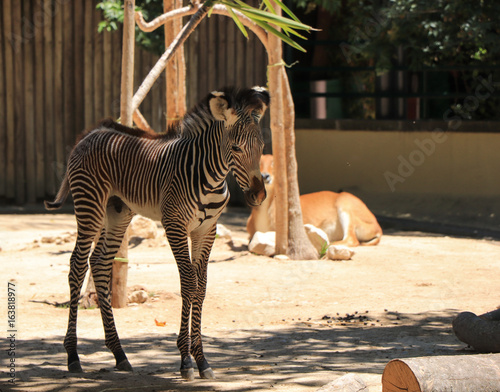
(462, 373)
(399, 377)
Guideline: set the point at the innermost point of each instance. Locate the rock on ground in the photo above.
(318, 237)
(138, 297)
(263, 244)
(143, 227)
(339, 252)
(224, 232)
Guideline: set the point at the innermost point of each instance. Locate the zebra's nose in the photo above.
(255, 199)
(256, 194)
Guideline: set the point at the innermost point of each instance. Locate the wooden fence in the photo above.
(58, 76)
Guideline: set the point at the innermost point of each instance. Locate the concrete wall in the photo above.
(449, 176)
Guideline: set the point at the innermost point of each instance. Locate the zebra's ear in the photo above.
(263, 95)
(220, 107)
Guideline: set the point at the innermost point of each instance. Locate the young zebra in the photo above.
(178, 178)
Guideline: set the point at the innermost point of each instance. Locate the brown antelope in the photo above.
(342, 216)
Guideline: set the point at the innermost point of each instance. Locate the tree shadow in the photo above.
(243, 359)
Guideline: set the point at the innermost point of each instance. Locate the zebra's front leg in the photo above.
(178, 240)
(201, 247)
(101, 263)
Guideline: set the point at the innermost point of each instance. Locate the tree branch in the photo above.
(190, 10)
(162, 62)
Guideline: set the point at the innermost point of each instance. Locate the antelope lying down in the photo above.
(342, 216)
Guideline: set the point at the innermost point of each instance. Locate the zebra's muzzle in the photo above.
(256, 194)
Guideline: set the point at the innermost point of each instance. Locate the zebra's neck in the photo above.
(209, 152)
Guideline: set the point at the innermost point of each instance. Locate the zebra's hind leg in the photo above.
(88, 227)
(118, 217)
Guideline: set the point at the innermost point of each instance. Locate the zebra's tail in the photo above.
(61, 196)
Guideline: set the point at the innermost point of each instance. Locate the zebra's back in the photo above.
(129, 166)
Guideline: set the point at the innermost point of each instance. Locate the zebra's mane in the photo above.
(194, 120)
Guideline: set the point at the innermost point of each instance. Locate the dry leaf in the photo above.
(160, 323)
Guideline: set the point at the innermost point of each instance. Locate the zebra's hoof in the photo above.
(75, 367)
(207, 374)
(187, 374)
(124, 366)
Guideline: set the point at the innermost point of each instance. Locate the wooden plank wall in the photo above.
(59, 76)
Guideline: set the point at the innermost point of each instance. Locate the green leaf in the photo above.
(269, 6)
(264, 19)
(101, 26)
(287, 10)
(268, 17)
(237, 21)
(294, 33)
(280, 35)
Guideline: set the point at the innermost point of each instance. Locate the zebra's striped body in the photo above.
(178, 178)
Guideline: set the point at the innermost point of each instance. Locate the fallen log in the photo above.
(349, 382)
(494, 315)
(461, 373)
(481, 332)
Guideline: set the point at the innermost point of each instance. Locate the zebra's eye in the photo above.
(236, 148)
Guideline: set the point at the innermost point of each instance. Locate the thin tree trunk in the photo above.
(175, 71)
(119, 291)
(278, 137)
(127, 83)
(299, 246)
(165, 58)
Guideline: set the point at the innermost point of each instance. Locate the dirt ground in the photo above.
(268, 324)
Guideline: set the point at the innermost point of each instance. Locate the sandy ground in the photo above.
(268, 324)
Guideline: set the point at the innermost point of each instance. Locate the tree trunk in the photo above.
(299, 246)
(463, 373)
(119, 277)
(175, 71)
(119, 287)
(278, 136)
(127, 82)
(89, 297)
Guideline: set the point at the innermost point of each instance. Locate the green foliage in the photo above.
(264, 16)
(324, 249)
(430, 32)
(415, 35)
(331, 6)
(112, 12)
(442, 32)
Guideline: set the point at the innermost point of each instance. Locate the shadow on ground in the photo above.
(244, 360)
